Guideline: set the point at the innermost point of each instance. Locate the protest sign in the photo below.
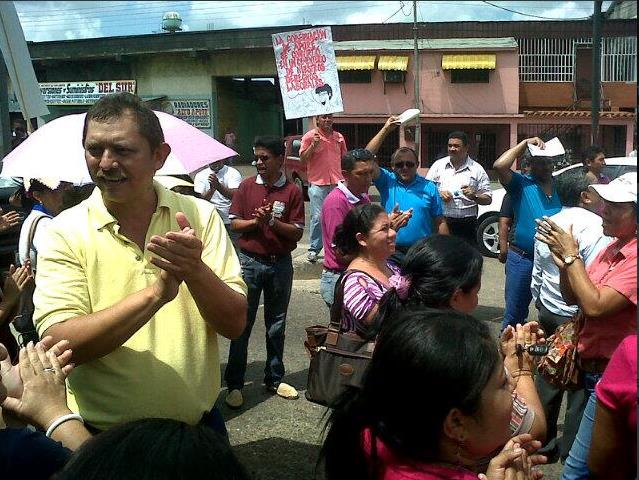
(307, 71)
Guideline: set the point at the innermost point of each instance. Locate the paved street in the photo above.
(279, 439)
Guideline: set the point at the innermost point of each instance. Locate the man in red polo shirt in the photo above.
(268, 211)
(321, 150)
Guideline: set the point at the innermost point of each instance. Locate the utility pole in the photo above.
(416, 71)
(596, 71)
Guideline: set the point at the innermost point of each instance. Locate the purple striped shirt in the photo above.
(361, 293)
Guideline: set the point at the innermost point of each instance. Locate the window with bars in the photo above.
(619, 59)
(553, 59)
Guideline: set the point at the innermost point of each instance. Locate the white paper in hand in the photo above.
(553, 148)
(407, 116)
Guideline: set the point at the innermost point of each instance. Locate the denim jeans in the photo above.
(576, 467)
(276, 280)
(517, 290)
(328, 280)
(316, 195)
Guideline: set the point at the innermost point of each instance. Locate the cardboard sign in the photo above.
(307, 71)
(195, 112)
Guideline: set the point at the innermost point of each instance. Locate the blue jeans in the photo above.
(316, 195)
(276, 280)
(328, 280)
(517, 290)
(576, 466)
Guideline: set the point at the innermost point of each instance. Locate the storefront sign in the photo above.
(82, 93)
(307, 71)
(195, 112)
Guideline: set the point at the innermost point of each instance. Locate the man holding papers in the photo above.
(533, 196)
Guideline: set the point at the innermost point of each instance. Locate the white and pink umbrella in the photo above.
(55, 150)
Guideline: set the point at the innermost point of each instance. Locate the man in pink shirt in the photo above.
(357, 169)
(321, 150)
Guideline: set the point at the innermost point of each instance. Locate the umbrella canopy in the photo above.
(55, 150)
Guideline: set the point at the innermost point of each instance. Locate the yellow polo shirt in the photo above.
(170, 367)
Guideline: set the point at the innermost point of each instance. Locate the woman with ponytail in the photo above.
(458, 411)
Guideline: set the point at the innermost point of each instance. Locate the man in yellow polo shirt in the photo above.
(140, 280)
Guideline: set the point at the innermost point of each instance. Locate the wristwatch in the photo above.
(271, 221)
(569, 259)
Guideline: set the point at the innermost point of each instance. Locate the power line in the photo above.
(400, 9)
(532, 16)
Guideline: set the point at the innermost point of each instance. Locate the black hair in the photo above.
(570, 185)
(591, 153)
(356, 155)
(459, 135)
(437, 266)
(447, 359)
(272, 143)
(325, 88)
(359, 220)
(154, 449)
(117, 105)
(402, 150)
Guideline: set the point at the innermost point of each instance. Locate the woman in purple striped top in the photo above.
(367, 238)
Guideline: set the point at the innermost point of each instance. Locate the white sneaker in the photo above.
(312, 256)
(234, 399)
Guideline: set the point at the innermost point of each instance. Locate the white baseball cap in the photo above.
(621, 189)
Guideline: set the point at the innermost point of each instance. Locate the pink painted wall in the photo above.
(500, 95)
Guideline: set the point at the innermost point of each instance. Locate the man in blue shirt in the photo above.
(403, 188)
(532, 196)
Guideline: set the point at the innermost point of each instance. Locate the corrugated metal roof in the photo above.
(429, 44)
(486, 61)
(392, 62)
(361, 62)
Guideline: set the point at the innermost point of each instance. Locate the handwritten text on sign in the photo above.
(307, 72)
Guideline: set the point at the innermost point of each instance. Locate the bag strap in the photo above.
(336, 316)
(32, 231)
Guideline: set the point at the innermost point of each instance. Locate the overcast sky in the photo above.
(52, 20)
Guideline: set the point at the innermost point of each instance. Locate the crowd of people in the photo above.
(132, 286)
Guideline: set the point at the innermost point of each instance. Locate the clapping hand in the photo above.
(16, 281)
(8, 220)
(178, 255)
(399, 218)
(517, 460)
(263, 214)
(43, 397)
(561, 243)
(515, 342)
(214, 182)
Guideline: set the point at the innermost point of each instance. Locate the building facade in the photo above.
(498, 81)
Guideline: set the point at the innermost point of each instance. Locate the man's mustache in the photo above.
(110, 176)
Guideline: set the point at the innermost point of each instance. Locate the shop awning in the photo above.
(484, 61)
(392, 62)
(363, 62)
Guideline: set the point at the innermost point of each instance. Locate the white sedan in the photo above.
(488, 215)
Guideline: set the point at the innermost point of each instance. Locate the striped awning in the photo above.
(392, 62)
(484, 61)
(364, 62)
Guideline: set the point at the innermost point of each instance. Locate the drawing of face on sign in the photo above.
(323, 95)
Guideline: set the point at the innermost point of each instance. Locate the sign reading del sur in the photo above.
(83, 93)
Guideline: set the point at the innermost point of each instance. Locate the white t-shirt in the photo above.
(38, 237)
(229, 177)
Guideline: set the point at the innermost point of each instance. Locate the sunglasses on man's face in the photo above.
(400, 165)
